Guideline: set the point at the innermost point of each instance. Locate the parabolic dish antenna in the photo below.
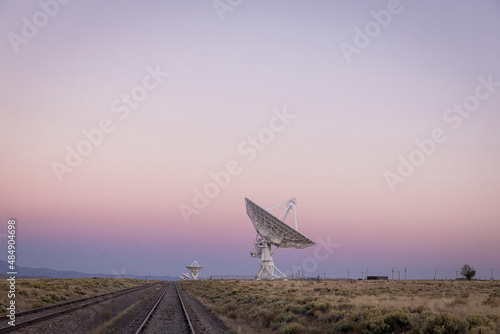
(272, 231)
(194, 269)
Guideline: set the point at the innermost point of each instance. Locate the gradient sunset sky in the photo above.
(66, 68)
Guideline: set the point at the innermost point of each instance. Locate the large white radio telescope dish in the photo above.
(194, 269)
(272, 231)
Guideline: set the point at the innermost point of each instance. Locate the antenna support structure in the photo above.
(264, 253)
(272, 231)
(194, 269)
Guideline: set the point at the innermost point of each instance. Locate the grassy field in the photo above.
(331, 306)
(37, 292)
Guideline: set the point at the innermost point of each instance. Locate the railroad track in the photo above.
(168, 315)
(31, 317)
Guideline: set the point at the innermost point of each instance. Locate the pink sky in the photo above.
(119, 208)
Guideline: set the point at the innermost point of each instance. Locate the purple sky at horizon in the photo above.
(227, 79)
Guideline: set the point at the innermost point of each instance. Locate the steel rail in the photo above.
(45, 308)
(86, 302)
(191, 328)
(148, 317)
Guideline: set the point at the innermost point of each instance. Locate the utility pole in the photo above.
(492, 274)
(457, 274)
(398, 275)
(392, 273)
(435, 273)
(347, 273)
(405, 274)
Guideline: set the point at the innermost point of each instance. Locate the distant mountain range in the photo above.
(45, 272)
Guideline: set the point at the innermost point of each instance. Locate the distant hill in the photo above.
(45, 272)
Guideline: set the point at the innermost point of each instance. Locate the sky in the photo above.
(131, 134)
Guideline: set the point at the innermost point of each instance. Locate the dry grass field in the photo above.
(38, 292)
(331, 306)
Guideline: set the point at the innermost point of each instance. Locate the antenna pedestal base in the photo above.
(267, 268)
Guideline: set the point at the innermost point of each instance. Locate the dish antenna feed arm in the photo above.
(290, 204)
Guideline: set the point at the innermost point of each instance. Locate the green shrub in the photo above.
(378, 326)
(398, 321)
(320, 306)
(345, 307)
(446, 323)
(331, 316)
(286, 317)
(311, 308)
(36, 304)
(23, 292)
(307, 300)
(343, 326)
(418, 309)
(294, 308)
(275, 326)
(268, 317)
(482, 330)
(230, 306)
(344, 300)
(292, 328)
(368, 312)
(480, 320)
(395, 322)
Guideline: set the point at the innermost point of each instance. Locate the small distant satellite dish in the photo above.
(194, 269)
(272, 231)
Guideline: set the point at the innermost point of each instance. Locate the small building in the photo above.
(377, 278)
